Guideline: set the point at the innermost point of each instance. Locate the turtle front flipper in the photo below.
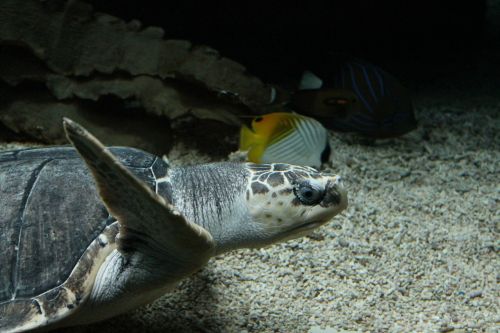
(149, 225)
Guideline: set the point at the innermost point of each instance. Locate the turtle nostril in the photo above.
(335, 192)
(334, 196)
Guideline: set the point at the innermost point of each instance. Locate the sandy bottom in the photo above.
(416, 250)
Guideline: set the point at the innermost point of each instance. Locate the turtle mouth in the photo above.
(307, 226)
(303, 229)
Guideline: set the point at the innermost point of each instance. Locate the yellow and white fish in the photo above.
(287, 138)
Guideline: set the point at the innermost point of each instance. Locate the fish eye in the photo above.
(258, 119)
(308, 193)
(337, 101)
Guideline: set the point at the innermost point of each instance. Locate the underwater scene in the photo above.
(316, 167)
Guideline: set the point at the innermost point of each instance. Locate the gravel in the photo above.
(416, 250)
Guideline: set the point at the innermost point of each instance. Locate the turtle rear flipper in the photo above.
(148, 223)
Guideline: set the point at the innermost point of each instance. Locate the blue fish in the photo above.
(358, 97)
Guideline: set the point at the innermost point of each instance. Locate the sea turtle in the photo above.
(80, 246)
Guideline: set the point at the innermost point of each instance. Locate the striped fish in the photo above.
(360, 97)
(286, 138)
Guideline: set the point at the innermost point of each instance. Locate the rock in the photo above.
(108, 74)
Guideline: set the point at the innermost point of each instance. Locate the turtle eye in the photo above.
(308, 193)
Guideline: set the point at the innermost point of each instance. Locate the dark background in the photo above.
(417, 41)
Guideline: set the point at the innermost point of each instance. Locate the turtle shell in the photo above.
(50, 213)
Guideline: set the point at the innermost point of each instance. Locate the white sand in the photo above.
(417, 249)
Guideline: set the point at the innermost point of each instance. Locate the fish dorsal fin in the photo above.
(302, 143)
(310, 81)
(284, 126)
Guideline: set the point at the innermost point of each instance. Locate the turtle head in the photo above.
(287, 201)
(254, 205)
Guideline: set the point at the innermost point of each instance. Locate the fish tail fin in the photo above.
(247, 138)
(251, 142)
